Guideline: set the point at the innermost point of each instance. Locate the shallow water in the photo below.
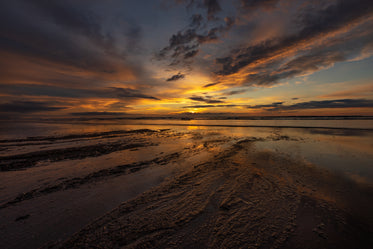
(85, 187)
(12, 130)
(345, 146)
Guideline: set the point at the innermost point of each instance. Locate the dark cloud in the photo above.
(272, 106)
(191, 54)
(29, 107)
(211, 84)
(133, 36)
(74, 51)
(251, 5)
(185, 44)
(212, 7)
(196, 20)
(339, 103)
(66, 33)
(209, 106)
(314, 24)
(125, 93)
(55, 91)
(97, 113)
(207, 99)
(75, 18)
(234, 92)
(312, 62)
(309, 62)
(176, 77)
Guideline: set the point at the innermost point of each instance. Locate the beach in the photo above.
(186, 124)
(188, 187)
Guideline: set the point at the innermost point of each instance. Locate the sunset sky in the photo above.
(246, 57)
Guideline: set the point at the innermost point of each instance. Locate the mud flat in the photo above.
(210, 188)
(51, 187)
(242, 198)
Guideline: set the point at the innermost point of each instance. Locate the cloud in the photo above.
(100, 56)
(76, 19)
(125, 93)
(322, 37)
(272, 106)
(211, 84)
(29, 107)
(56, 91)
(234, 92)
(97, 114)
(356, 92)
(209, 106)
(251, 5)
(212, 7)
(176, 77)
(185, 44)
(207, 99)
(66, 35)
(338, 103)
(301, 65)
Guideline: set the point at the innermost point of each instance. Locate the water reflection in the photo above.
(338, 132)
(24, 129)
(346, 150)
(98, 182)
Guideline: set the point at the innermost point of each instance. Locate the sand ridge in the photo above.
(241, 199)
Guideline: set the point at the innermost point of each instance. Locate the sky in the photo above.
(78, 58)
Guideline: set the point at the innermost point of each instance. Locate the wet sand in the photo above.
(176, 190)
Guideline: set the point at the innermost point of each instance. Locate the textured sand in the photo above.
(240, 198)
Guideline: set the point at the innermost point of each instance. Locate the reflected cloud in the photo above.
(338, 132)
(30, 107)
